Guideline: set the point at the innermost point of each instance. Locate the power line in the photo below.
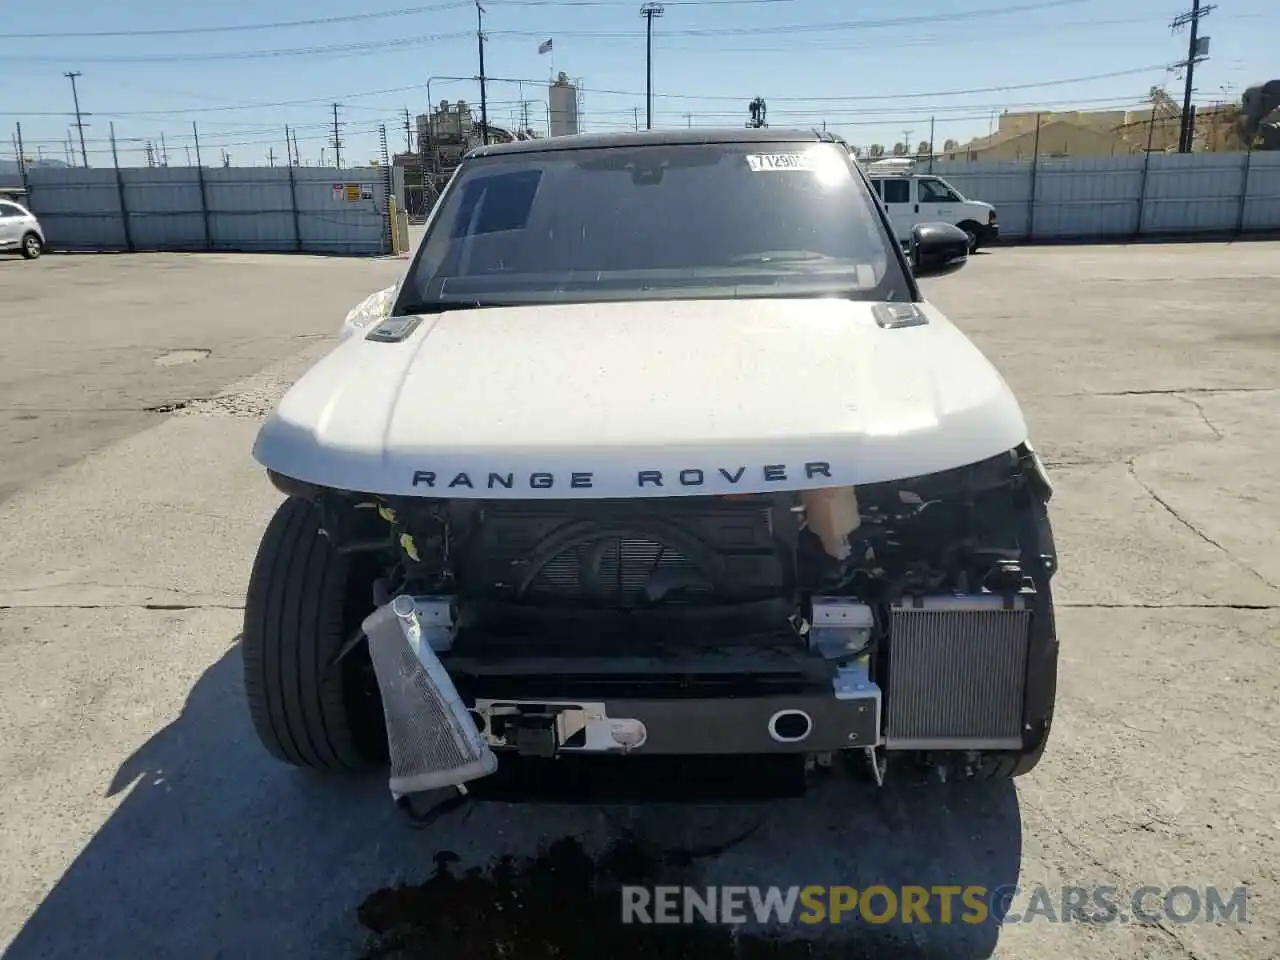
(822, 26)
(378, 46)
(326, 50)
(615, 4)
(733, 98)
(910, 39)
(239, 27)
(244, 105)
(1002, 88)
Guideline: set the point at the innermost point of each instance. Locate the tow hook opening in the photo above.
(790, 726)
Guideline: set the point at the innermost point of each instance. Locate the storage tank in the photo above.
(563, 104)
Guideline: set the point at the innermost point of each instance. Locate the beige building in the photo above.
(1101, 133)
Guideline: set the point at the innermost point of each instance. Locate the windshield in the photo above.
(655, 222)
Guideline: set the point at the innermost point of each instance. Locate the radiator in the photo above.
(957, 673)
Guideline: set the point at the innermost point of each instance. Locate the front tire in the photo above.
(32, 246)
(305, 601)
(971, 231)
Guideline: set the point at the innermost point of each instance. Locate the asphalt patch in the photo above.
(561, 903)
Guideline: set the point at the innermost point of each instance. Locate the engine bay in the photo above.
(710, 566)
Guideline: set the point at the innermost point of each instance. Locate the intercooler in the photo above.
(957, 673)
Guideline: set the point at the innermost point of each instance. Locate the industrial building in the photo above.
(451, 129)
(1101, 133)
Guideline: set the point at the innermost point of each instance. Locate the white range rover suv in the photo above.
(658, 451)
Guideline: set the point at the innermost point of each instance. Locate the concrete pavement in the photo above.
(142, 818)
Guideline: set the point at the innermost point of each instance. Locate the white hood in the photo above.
(602, 400)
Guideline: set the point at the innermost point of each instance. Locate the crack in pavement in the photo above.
(1174, 391)
(1186, 398)
(1176, 605)
(1133, 472)
(1159, 923)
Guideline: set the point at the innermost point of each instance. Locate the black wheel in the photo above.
(32, 246)
(305, 602)
(971, 231)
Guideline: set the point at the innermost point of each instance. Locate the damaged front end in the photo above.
(906, 620)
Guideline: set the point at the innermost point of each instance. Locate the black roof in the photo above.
(690, 136)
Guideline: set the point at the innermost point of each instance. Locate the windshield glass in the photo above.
(654, 222)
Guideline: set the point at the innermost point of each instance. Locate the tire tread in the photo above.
(293, 627)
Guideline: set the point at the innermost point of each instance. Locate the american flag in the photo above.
(544, 46)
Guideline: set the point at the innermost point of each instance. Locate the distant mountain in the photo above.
(10, 174)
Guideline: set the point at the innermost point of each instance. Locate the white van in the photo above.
(910, 197)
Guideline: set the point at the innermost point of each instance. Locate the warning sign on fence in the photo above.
(352, 192)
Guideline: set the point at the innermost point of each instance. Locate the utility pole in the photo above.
(337, 140)
(75, 96)
(297, 157)
(636, 111)
(484, 98)
(688, 119)
(271, 157)
(649, 11)
(408, 132)
(164, 151)
(1197, 51)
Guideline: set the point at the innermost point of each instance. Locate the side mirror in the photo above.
(938, 249)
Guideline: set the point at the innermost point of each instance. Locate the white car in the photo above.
(656, 450)
(20, 230)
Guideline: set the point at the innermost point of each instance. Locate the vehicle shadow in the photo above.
(218, 850)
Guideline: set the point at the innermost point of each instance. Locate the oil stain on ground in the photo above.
(562, 904)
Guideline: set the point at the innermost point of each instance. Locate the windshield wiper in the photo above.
(443, 306)
(782, 256)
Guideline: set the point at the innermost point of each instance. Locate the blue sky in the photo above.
(873, 71)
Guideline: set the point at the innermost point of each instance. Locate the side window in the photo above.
(876, 185)
(897, 191)
(9, 210)
(935, 191)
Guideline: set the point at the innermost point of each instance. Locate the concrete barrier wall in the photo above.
(1099, 198)
(315, 210)
(253, 209)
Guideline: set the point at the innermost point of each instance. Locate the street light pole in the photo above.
(649, 11)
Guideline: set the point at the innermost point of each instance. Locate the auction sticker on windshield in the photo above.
(767, 162)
